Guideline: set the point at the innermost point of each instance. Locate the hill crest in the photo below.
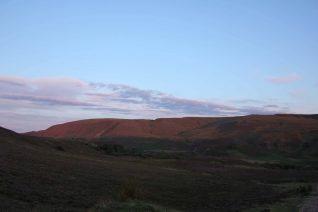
(264, 127)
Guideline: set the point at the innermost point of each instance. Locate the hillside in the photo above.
(96, 128)
(282, 126)
(283, 132)
(7, 133)
(45, 174)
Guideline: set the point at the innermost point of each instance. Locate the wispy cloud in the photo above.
(76, 99)
(247, 101)
(271, 106)
(43, 100)
(284, 79)
(13, 81)
(158, 100)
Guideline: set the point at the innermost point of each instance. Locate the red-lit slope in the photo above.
(95, 128)
(265, 128)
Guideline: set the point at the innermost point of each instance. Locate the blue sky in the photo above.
(243, 54)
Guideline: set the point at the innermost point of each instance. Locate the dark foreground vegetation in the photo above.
(41, 174)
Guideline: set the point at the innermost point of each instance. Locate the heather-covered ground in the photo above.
(39, 174)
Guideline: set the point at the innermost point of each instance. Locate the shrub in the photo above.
(305, 189)
(60, 148)
(111, 148)
(131, 191)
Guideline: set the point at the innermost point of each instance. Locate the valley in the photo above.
(109, 173)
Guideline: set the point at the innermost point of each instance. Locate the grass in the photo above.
(298, 191)
(286, 205)
(131, 191)
(39, 177)
(129, 206)
(275, 157)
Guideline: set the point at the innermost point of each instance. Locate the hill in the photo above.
(7, 133)
(254, 133)
(95, 128)
(184, 128)
(49, 174)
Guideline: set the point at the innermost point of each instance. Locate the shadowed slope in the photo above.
(6, 132)
(42, 174)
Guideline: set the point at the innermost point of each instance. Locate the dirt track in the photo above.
(311, 203)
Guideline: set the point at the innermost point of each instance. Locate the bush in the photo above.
(305, 189)
(60, 148)
(111, 148)
(131, 191)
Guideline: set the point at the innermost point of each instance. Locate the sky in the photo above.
(68, 60)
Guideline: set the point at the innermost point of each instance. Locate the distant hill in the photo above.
(7, 133)
(267, 126)
(284, 132)
(171, 128)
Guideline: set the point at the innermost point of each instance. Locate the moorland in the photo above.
(249, 163)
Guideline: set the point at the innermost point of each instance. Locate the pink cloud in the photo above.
(13, 80)
(284, 79)
(73, 99)
(44, 100)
